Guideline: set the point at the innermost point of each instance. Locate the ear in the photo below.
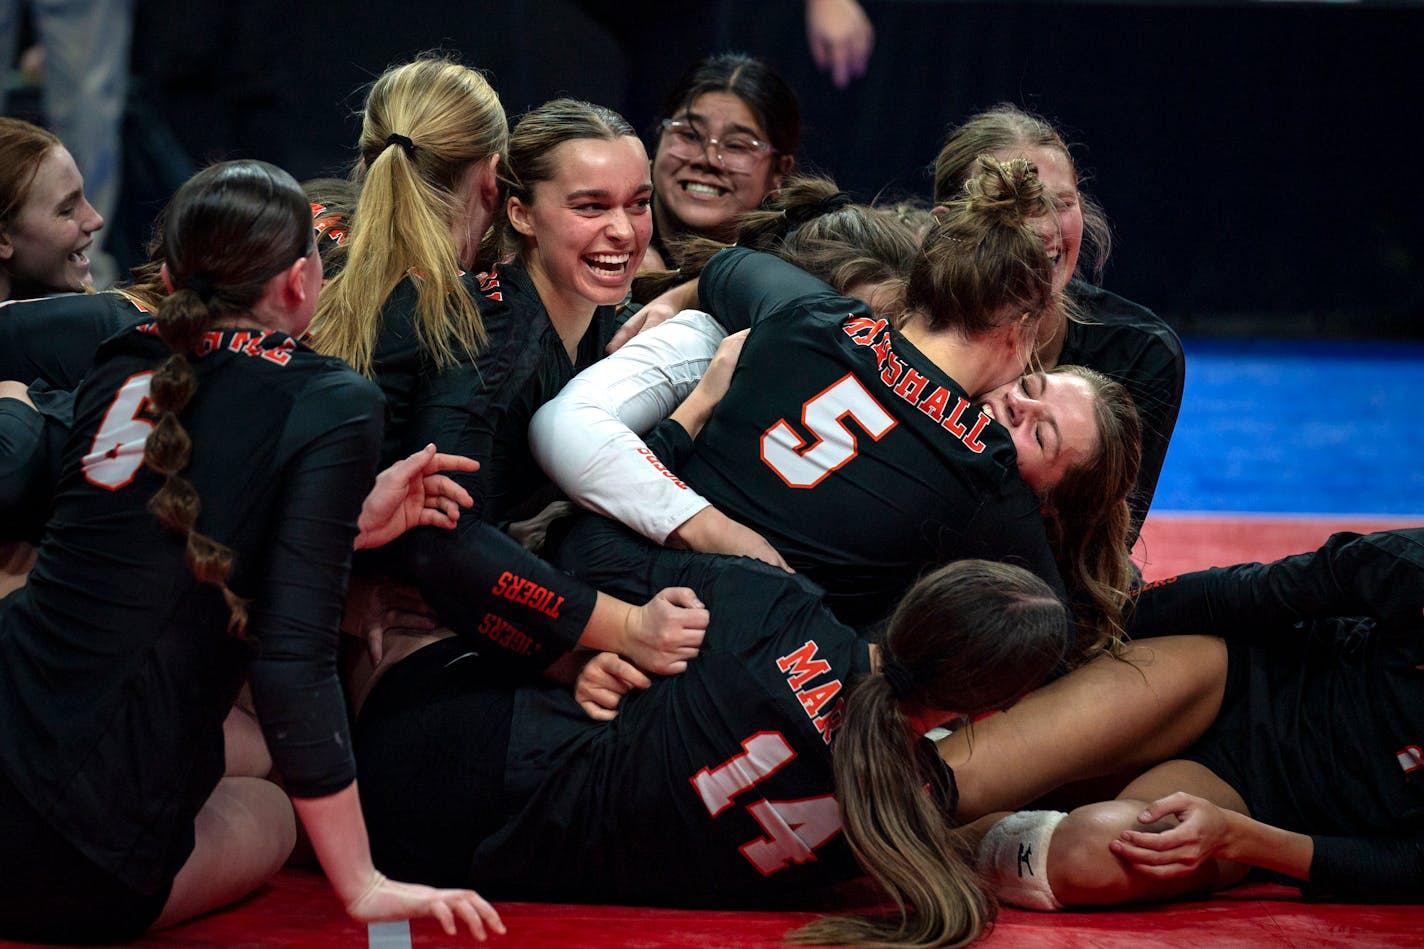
(489, 182)
(939, 211)
(784, 164)
(518, 213)
(167, 277)
(294, 281)
(7, 247)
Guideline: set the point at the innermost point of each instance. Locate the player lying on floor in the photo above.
(719, 786)
(1311, 767)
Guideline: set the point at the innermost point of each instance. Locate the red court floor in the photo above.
(297, 909)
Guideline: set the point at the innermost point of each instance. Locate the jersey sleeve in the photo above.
(1159, 378)
(296, 613)
(1367, 869)
(489, 589)
(588, 441)
(1379, 575)
(54, 339)
(741, 287)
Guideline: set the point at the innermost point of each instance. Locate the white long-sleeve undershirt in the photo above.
(588, 437)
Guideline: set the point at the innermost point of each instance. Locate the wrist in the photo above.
(692, 533)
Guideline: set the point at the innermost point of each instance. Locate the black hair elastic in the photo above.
(200, 285)
(900, 679)
(395, 138)
(797, 216)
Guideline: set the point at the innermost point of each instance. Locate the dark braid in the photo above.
(229, 230)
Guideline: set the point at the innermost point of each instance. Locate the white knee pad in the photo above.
(1013, 858)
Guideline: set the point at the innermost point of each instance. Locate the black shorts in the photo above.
(431, 743)
(51, 892)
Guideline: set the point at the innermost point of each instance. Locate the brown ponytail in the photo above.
(971, 636)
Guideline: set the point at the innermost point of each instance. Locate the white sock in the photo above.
(1013, 857)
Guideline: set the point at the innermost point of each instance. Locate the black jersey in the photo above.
(857, 457)
(713, 786)
(1131, 344)
(54, 339)
(1323, 722)
(482, 408)
(116, 670)
(483, 584)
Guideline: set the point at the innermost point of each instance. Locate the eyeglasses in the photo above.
(737, 152)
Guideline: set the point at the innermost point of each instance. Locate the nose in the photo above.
(94, 221)
(712, 152)
(619, 227)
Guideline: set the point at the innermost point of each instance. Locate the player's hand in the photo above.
(718, 377)
(603, 682)
(412, 493)
(658, 310)
(386, 900)
(841, 38)
(663, 634)
(1202, 831)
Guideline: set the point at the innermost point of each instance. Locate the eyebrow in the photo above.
(734, 126)
(603, 192)
(74, 195)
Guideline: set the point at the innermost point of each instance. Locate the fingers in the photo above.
(598, 712)
(683, 597)
(628, 330)
(1160, 808)
(630, 675)
(443, 462)
(444, 488)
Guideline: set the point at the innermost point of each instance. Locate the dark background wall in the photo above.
(1256, 159)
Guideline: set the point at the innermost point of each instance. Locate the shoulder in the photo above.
(1121, 314)
(1119, 333)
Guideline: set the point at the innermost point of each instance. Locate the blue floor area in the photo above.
(1281, 427)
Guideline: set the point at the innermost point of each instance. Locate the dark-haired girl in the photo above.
(787, 757)
(726, 139)
(211, 496)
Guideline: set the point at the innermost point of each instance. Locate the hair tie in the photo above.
(900, 678)
(200, 285)
(395, 138)
(804, 213)
(834, 202)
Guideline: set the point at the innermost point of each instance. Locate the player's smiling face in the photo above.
(1062, 236)
(43, 246)
(586, 228)
(699, 193)
(1052, 418)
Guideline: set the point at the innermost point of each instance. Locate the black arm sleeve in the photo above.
(741, 287)
(1378, 575)
(297, 611)
(485, 586)
(1367, 869)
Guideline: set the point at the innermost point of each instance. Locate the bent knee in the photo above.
(1081, 868)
